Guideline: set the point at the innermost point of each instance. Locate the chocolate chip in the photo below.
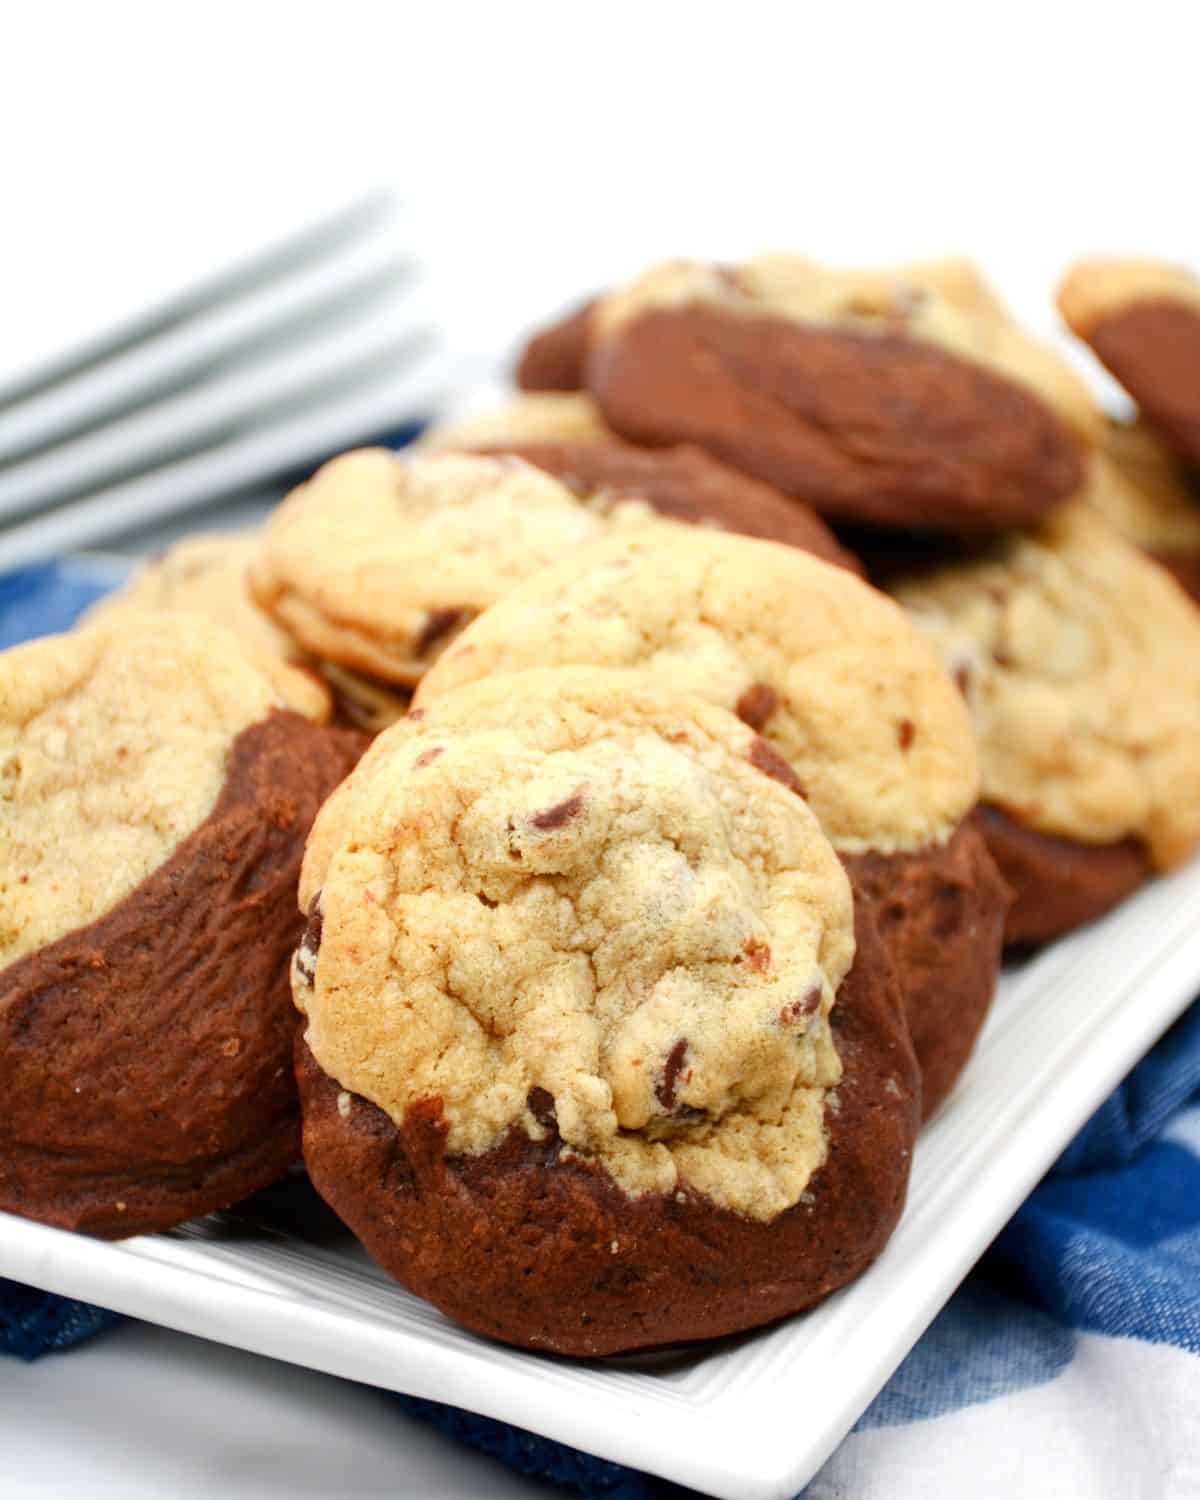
(962, 679)
(310, 944)
(806, 1005)
(905, 733)
(540, 1103)
(560, 813)
(757, 704)
(769, 760)
(415, 713)
(426, 756)
(665, 1089)
(438, 624)
(758, 955)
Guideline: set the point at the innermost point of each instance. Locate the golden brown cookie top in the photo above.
(1102, 286)
(377, 562)
(830, 672)
(206, 575)
(1081, 663)
(113, 747)
(1169, 497)
(946, 303)
(1139, 489)
(571, 889)
(544, 417)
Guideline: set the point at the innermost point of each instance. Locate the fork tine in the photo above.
(290, 252)
(210, 413)
(251, 322)
(286, 446)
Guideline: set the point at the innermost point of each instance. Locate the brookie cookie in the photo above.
(554, 358)
(1080, 660)
(206, 575)
(1142, 319)
(155, 795)
(684, 484)
(378, 562)
(599, 1054)
(897, 399)
(1142, 490)
(853, 712)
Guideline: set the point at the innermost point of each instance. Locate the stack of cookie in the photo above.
(670, 894)
(970, 469)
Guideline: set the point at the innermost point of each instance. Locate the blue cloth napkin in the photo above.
(1097, 1275)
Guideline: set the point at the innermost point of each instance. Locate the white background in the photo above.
(549, 148)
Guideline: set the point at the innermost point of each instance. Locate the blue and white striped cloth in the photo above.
(1067, 1365)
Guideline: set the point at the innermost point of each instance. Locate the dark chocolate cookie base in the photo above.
(880, 430)
(940, 911)
(146, 1059)
(554, 359)
(1153, 349)
(1184, 567)
(1058, 884)
(519, 1243)
(685, 484)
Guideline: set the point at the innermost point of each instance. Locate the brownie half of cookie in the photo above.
(1153, 349)
(145, 1059)
(1058, 883)
(940, 912)
(554, 358)
(528, 1244)
(1184, 568)
(685, 484)
(869, 428)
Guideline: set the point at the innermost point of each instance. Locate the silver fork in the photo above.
(321, 341)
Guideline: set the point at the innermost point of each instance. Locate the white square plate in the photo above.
(747, 1418)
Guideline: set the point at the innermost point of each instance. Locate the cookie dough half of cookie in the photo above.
(206, 575)
(854, 712)
(1080, 659)
(378, 562)
(599, 1054)
(155, 796)
(1142, 489)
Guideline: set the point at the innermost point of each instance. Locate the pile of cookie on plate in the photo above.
(591, 836)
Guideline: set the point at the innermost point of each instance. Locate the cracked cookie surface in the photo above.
(830, 672)
(563, 891)
(377, 562)
(1081, 662)
(114, 741)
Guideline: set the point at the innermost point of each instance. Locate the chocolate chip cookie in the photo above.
(1142, 319)
(378, 562)
(155, 795)
(598, 1054)
(853, 711)
(894, 399)
(1080, 660)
